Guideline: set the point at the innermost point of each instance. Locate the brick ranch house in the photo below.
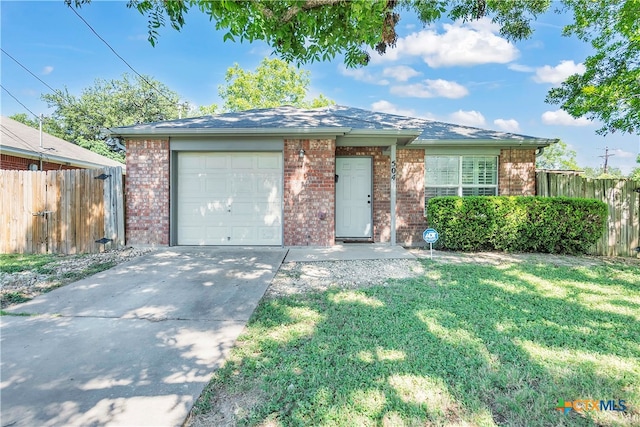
(293, 177)
(21, 148)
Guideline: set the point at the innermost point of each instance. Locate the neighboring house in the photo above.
(22, 149)
(293, 177)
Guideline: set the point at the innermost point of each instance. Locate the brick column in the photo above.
(309, 192)
(517, 172)
(410, 220)
(147, 192)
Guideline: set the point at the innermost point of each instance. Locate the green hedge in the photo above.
(517, 223)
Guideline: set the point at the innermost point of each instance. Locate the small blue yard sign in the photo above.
(430, 235)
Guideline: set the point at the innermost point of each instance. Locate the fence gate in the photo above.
(622, 196)
(64, 212)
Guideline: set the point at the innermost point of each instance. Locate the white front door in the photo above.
(354, 197)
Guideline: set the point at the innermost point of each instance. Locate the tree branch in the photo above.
(308, 5)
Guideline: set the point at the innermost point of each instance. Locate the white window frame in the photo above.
(460, 186)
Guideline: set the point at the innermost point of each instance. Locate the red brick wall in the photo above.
(8, 162)
(381, 188)
(309, 187)
(410, 221)
(517, 172)
(147, 192)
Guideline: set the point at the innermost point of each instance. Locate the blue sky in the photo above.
(453, 72)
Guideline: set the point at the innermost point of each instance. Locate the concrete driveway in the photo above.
(131, 346)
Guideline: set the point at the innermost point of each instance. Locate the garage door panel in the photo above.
(229, 199)
(243, 161)
(272, 163)
(215, 162)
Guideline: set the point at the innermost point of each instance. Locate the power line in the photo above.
(35, 150)
(18, 101)
(118, 55)
(28, 71)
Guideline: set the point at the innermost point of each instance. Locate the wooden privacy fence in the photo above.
(622, 236)
(63, 212)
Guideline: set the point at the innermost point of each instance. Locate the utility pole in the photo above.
(606, 159)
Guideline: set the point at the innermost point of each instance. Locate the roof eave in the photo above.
(46, 157)
(527, 142)
(168, 132)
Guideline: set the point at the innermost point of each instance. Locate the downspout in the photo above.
(393, 195)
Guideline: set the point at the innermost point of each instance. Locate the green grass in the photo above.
(15, 263)
(464, 345)
(52, 282)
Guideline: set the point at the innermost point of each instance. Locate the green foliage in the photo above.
(319, 30)
(517, 224)
(49, 125)
(598, 173)
(108, 104)
(304, 31)
(207, 110)
(272, 84)
(609, 90)
(635, 174)
(557, 156)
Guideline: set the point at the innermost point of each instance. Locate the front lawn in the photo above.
(465, 345)
(15, 263)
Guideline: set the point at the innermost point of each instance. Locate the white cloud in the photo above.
(521, 68)
(461, 44)
(467, 118)
(400, 73)
(363, 75)
(47, 70)
(562, 118)
(431, 89)
(624, 154)
(508, 125)
(559, 73)
(387, 107)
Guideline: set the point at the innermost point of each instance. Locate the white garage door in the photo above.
(229, 199)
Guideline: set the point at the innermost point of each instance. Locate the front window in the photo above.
(461, 176)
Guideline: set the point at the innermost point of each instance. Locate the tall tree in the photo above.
(609, 89)
(108, 104)
(313, 30)
(273, 83)
(598, 173)
(557, 156)
(49, 125)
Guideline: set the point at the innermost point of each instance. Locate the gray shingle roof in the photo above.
(20, 140)
(348, 120)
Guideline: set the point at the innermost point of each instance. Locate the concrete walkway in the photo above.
(347, 251)
(131, 346)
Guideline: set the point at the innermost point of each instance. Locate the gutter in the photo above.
(537, 142)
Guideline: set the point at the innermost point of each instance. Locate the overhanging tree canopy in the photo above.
(312, 30)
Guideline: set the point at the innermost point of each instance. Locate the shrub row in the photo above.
(517, 223)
